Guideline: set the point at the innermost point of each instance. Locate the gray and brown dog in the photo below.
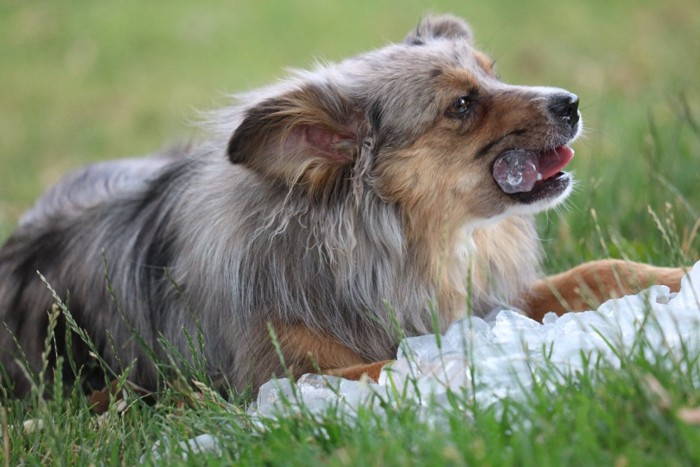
(342, 207)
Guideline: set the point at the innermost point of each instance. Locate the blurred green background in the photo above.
(90, 80)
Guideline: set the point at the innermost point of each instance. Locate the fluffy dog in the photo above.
(339, 209)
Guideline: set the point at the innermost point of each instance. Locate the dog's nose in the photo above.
(564, 106)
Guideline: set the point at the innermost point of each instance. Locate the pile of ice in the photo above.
(488, 361)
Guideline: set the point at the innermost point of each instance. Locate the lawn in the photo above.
(88, 81)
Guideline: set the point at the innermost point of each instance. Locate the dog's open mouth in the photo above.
(526, 173)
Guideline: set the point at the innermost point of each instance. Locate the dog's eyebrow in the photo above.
(460, 78)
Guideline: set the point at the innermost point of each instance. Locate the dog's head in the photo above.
(426, 124)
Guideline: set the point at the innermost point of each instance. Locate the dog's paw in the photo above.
(356, 372)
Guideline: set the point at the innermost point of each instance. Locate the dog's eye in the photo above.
(460, 107)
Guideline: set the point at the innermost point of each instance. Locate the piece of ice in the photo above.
(205, 443)
(419, 347)
(467, 334)
(426, 379)
(516, 171)
(315, 392)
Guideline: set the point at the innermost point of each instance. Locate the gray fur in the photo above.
(199, 241)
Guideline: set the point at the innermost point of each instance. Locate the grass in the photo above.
(85, 81)
(641, 413)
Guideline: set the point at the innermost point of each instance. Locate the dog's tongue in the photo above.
(552, 162)
(518, 171)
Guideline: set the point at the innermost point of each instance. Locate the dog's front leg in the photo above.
(306, 351)
(586, 286)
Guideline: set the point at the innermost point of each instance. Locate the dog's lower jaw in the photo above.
(542, 203)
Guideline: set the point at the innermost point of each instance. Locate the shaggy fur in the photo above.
(342, 207)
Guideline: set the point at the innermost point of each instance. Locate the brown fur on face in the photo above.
(346, 206)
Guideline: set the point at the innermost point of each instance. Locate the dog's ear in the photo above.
(436, 27)
(304, 136)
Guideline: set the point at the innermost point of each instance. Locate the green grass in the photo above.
(636, 414)
(86, 81)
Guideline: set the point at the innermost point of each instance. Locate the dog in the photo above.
(327, 216)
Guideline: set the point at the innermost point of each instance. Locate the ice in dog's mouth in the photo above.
(521, 170)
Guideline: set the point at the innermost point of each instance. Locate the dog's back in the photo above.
(92, 185)
(53, 238)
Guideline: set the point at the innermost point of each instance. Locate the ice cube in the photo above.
(411, 377)
(420, 347)
(516, 171)
(319, 391)
(205, 443)
(272, 396)
(467, 333)
(315, 392)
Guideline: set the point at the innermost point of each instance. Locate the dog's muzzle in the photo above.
(534, 174)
